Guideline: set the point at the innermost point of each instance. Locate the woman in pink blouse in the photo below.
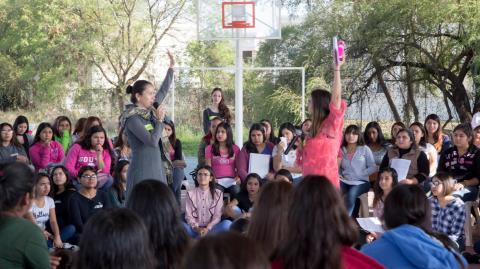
(45, 152)
(319, 154)
(204, 206)
(93, 150)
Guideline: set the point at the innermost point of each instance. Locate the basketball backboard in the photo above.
(234, 19)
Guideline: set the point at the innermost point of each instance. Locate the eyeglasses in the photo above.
(89, 176)
(7, 131)
(203, 174)
(435, 183)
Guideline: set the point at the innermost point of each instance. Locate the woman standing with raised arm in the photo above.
(321, 149)
(143, 127)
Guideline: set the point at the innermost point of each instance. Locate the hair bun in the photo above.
(129, 89)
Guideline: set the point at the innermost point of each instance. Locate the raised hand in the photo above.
(172, 59)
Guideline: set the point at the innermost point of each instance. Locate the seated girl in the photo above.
(43, 211)
(405, 148)
(387, 180)
(62, 190)
(10, 150)
(462, 161)
(257, 143)
(221, 157)
(286, 161)
(175, 154)
(45, 152)
(240, 205)
(95, 151)
(283, 175)
(448, 211)
(88, 200)
(204, 206)
(62, 132)
(356, 166)
(119, 187)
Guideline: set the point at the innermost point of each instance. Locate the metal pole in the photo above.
(303, 94)
(238, 95)
(173, 98)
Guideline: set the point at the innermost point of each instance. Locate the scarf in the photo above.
(146, 113)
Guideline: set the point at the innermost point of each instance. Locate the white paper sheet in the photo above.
(226, 182)
(401, 166)
(371, 224)
(259, 163)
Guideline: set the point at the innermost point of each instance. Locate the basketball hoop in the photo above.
(238, 15)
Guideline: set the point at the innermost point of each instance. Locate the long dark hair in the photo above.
(116, 238)
(86, 142)
(251, 148)
(19, 120)
(289, 126)
(437, 135)
(222, 107)
(117, 179)
(211, 184)
(316, 203)
(229, 142)
(138, 87)
(380, 137)
(243, 186)
(16, 181)
(168, 238)
(423, 140)
(40, 128)
(14, 140)
(377, 190)
(56, 125)
(355, 130)
(228, 250)
(68, 182)
(272, 137)
(173, 137)
(79, 126)
(321, 109)
(268, 224)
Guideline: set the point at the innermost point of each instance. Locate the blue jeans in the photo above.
(467, 194)
(66, 233)
(351, 193)
(222, 226)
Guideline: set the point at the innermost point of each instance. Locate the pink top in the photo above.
(42, 155)
(78, 157)
(202, 210)
(351, 259)
(320, 153)
(222, 165)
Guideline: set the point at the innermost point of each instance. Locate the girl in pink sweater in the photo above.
(45, 151)
(319, 155)
(93, 150)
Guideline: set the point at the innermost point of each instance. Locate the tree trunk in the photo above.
(392, 105)
(460, 101)
(119, 96)
(411, 92)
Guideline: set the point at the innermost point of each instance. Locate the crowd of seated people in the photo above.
(62, 189)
